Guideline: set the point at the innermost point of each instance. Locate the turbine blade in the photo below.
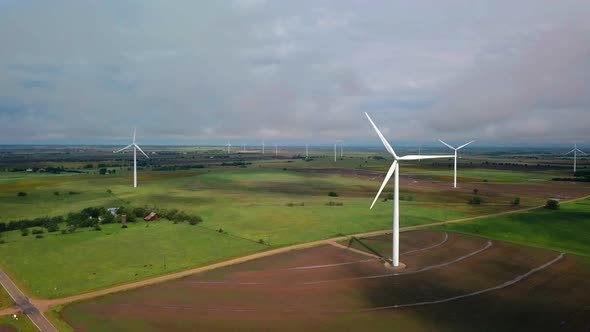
(387, 146)
(387, 177)
(418, 157)
(569, 152)
(140, 150)
(464, 145)
(134, 130)
(446, 144)
(581, 151)
(125, 148)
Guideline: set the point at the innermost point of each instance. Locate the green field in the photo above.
(21, 324)
(566, 229)
(5, 299)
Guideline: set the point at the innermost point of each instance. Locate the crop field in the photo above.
(452, 283)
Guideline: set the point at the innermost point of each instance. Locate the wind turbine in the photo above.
(276, 150)
(263, 147)
(575, 151)
(135, 148)
(228, 146)
(341, 150)
(306, 151)
(395, 169)
(335, 152)
(456, 149)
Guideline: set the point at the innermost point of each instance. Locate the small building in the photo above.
(152, 217)
(113, 211)
(29, 169)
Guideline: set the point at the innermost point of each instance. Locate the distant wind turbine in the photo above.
(456, 149)
(575, 151)
(276, 150)
(341, 149)
(228, 146)
(263, 145)
(306, 151)
(395, 169)
(135, 148)
(335, 152)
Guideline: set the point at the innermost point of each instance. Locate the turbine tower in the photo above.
(306, 151)
(263, 147)
(341, 150)
(335, 152)
(276, 150)
(456, 149)
(135, 148)
(395, 169)
(575, 151)
(228, 146)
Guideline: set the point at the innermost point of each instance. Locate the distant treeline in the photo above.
(579, 176)
(176, 167)
(54, 170)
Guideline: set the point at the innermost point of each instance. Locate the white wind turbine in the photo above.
(456, 149)
(306, 151)
(135, 148)
(228, 146)
(263, 145)
(395, 169)
(335, 152)
(575, 151)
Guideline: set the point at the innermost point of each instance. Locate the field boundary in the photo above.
(44, 305)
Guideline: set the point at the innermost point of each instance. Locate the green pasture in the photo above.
(59, 265)
(21, 324)
(565, 230)
(5, 299)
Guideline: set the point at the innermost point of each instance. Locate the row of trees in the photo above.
(96, 216)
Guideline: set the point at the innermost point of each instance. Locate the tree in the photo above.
(515, 201)
(102, 171)
(333, 194)
(24, 231)
(21, 194)
(475, 200)
(552, 204)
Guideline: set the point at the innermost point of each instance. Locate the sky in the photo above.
(202, 72)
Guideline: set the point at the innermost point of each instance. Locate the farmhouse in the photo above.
(152, 216)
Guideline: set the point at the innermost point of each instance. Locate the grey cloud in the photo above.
(195, 72)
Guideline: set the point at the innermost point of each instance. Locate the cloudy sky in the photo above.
(195, 72)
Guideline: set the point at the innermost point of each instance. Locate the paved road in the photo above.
(25, 305)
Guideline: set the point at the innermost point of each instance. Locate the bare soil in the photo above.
(329, 288)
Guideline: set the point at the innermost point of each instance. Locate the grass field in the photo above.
(5, 299)
(567, 229)
(21, 324)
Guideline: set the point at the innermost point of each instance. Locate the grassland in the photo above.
(566, 229)
(21, 324)
(5, 299)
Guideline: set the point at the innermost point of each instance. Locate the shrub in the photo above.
(37, 231)
(56, 193)
(21, 194)
(515, 201)
(193, 220)
(261, 241)
(97, 227)
(39, 236)
(24, 231)
(475, 200)
(64, 231)
(124, 226)
(220, 230)
(475, 191)
(333, 194)
(332, 203)
(109, 191)
(552, 204)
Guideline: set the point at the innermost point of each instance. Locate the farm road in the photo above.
(25, 305)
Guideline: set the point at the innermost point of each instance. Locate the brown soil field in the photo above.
(7, 328)
(451, 283)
